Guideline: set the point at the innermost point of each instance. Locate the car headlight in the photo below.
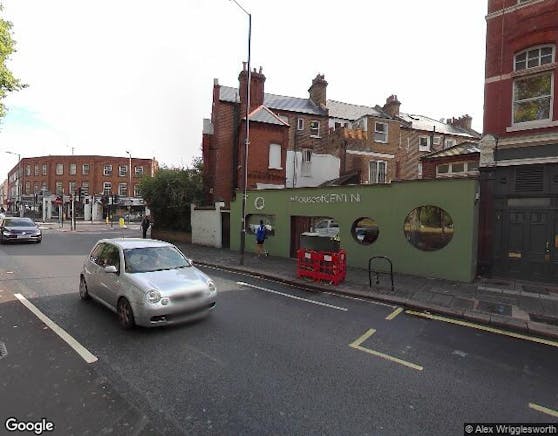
(211, 286)
(153, 296)
(6, 233)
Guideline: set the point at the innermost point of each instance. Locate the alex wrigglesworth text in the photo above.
(510, 429)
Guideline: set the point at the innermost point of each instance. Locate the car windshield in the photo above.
(146, 259)
(18, 222)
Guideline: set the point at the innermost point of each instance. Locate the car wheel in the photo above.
(125, 314)
(83, 292)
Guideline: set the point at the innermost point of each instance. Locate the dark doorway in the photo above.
(526, 244)
(299, 224)
(225, 229)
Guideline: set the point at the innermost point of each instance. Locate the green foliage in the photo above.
(171, 192)
(8, 83)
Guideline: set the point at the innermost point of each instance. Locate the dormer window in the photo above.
(380, 132)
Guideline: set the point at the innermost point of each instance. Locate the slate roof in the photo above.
(347, 111)
(420, 122)
(278, 102)
(263, 115)
(456, 150)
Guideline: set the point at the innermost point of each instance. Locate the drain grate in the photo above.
(496, 308)
(3, 350)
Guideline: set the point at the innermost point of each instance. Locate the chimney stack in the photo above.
(392, 105)
(464, 122)
(317, 90)
(256, 88)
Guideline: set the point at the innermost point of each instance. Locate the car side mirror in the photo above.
(111, 269)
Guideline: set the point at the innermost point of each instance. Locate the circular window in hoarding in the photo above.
(428, 228)
(365, 230)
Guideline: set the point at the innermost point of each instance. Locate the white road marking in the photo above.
(78, 348)
(297, 286)
(344, 309)
(459, 353)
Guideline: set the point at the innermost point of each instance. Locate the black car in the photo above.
(15, 229)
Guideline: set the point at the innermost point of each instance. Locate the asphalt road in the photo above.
(262, 363)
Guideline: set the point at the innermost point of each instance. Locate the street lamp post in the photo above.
(129, 186)
(18, 181)
(247, 141)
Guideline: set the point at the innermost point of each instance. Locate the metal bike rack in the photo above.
(370, 271)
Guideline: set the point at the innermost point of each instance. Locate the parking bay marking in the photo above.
(344, 309)
(543, 409)
(78, 348)
(483, 327)
(394, 313)
(357, 345)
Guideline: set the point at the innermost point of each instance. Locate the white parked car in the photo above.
(328, 228)
(147, 282)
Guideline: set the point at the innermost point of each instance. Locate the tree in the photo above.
(8, 83)
(170, 193)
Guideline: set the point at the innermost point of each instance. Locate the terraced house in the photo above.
(313, 141)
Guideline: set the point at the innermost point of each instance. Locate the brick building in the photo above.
(315, 139)
(458, 161)
(519, 150)
(63, 175)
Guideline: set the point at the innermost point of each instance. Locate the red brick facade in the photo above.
(429, 165)
(43, 172)
(512, 28)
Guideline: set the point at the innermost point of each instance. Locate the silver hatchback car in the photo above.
(147, 282)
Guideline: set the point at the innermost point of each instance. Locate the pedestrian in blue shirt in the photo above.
(260, 239)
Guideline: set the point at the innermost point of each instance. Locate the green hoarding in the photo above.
(426, 227)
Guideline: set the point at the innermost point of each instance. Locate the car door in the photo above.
(93, 268)
(109, 283)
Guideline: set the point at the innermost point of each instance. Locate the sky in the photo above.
(110, 76)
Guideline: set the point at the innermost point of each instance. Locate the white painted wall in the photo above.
(324, 167)
(206, 225)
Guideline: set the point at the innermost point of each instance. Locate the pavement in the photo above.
(524, 307)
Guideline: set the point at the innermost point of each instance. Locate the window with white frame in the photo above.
(107, 170)
(44, 187)
(35, 188)
(449, 143)
(300, 124)
(123, 189)
(380, 132)
(73, 169)
(37, 170)
(85, 169)
(457, 169)
(27, 188)
(45, 169)
(437, 140)
(139, 171)
(424, 143)
(533, 93)
(85, 188)
(136, 191)
(107, 188)
(59, 188)
(378, 171)
(306, 163)
(72, 188)
(315, 128)
(27, 170)
(275, 156)
(59, 169)
(419, 170)
(122, 170)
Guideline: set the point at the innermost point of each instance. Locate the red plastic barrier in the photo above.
(322, 265)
